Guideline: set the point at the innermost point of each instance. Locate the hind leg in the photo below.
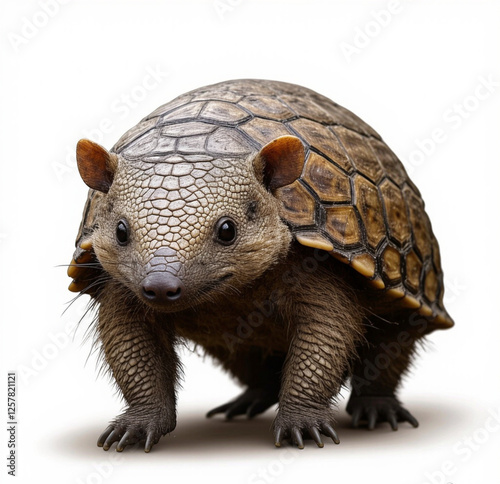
(378, 373)
(260, 373)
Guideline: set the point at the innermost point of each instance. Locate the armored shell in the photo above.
(353, 199)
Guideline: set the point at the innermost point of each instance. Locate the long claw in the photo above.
(113, 437)
(149, 444)
(314, 432)
(256, 408)
(123, 442)
(297, 438)
(379, 409)
(250, 403)
(392, 419)
(329, 430)
(102, 438)
(356, 416)
(278, 437)
(372, 418)
(408, 417)
(220, 409)
(234, 410)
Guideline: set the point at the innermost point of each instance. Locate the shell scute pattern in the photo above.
(342, 226)
(322, 139)
(399, 229)
(299, 205)
(354, 194)
(267, 107)
(360, 154)
(326, 180)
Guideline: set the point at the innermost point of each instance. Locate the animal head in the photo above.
(178, 233)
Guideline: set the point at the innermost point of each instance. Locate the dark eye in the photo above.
(122, 232)
(225, 231)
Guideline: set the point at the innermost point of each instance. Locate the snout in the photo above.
(162, 288)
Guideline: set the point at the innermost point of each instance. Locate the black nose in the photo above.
(162, 287)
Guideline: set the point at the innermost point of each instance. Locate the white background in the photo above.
(67, 74)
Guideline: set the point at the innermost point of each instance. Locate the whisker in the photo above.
(81, 264)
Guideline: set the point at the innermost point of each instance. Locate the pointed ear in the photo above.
(96, 165)
(280, 162)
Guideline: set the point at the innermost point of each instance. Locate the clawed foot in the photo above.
(250, 403)
(307, 424)
(137, 425)
(376, 409)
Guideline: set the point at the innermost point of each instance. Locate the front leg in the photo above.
(143, 362)
(325, 328)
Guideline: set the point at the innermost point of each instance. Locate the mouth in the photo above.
(207, 288)
(174, 303)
